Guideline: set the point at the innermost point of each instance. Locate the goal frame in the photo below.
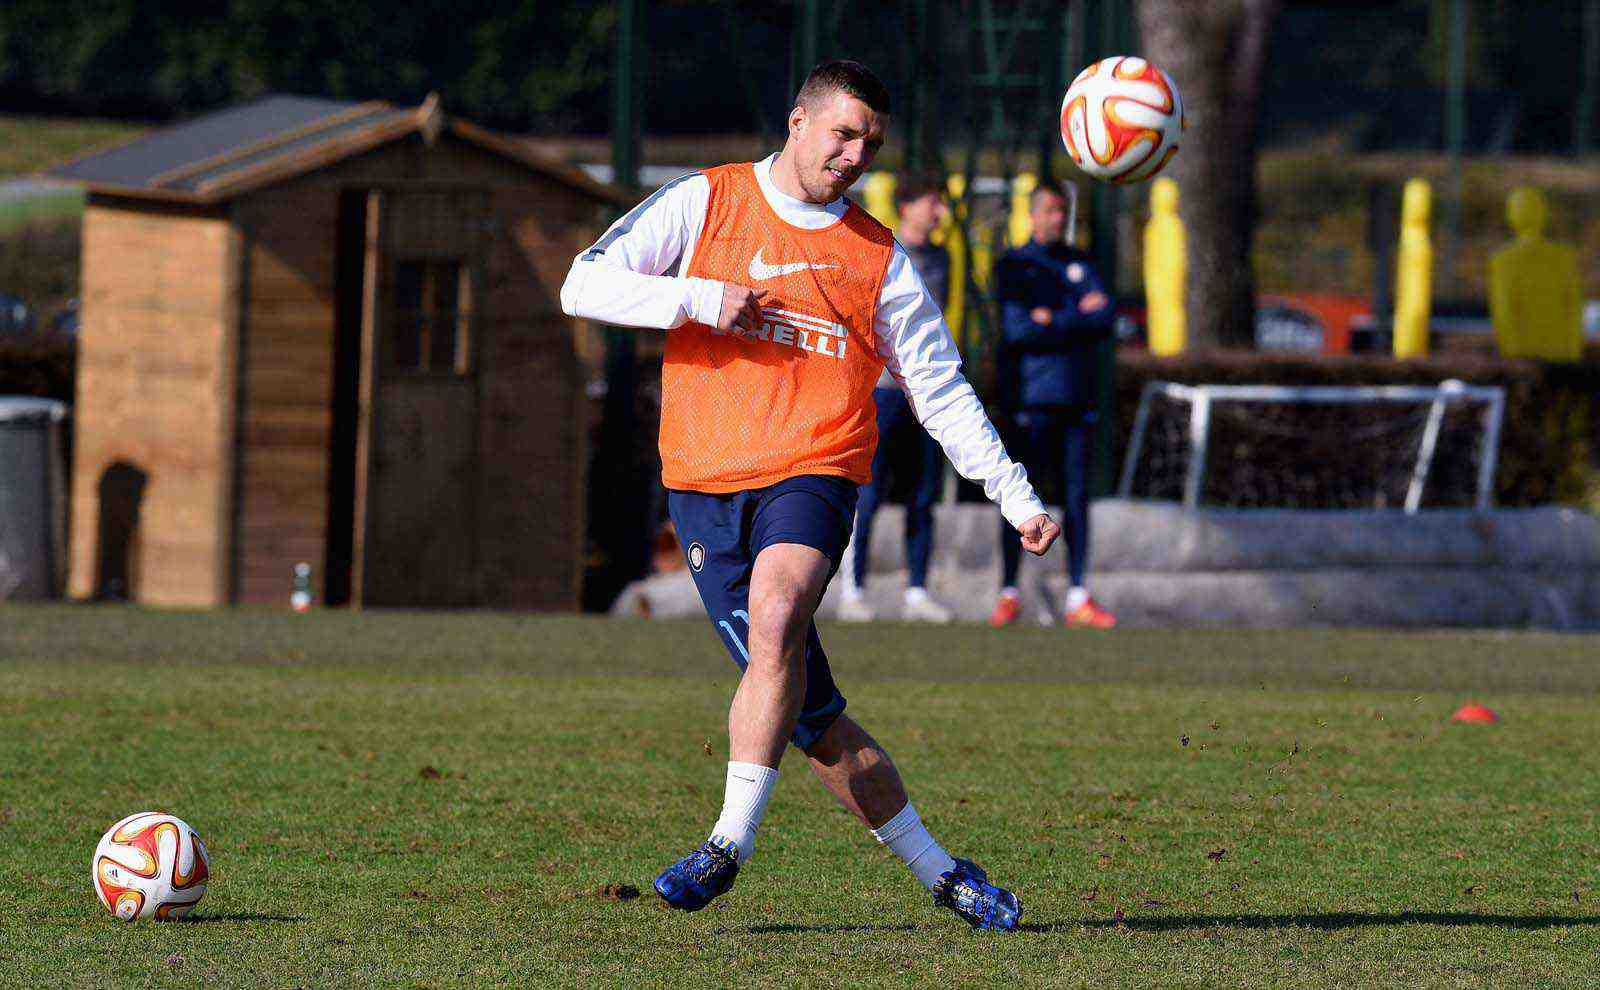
(1439, 398)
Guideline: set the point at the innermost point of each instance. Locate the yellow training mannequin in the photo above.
(1413, 296)
(1166, 270)
(1019, 226)
(1534, 296)
(878, 199)
(953, 237)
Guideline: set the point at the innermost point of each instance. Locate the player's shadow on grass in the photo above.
(212, 919)
(1326, 922)
(828, 929)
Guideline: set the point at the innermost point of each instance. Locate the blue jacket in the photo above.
(1054, 363)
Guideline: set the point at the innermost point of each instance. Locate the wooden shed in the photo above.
(330, 333)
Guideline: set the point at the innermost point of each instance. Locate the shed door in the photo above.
(420, 513)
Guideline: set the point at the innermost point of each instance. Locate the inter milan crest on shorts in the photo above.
(697, 556)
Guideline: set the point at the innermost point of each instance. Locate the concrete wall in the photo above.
(1156, 565)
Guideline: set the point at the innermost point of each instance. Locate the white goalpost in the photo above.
(1369, 447)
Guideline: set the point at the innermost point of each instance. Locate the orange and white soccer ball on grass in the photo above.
(1121, 119)
(150, 865)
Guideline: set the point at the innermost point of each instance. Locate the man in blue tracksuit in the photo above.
(1054, 312)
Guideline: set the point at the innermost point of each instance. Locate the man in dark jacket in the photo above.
(1054, 312)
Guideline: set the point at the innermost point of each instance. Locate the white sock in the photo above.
(908, 838)
(744, 804)
(1076, 596)
(917, 593)
(1010, 591)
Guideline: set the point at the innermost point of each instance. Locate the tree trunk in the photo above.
(1216, 53)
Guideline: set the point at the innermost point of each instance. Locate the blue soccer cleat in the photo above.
(966, 890)
(698, 878)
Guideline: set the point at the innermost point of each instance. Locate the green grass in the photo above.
(49, 208)
(1324, 824)
(28, 144)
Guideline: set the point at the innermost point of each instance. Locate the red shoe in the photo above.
(1006, 611)
(1089, 615)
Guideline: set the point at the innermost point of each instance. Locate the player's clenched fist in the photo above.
(1038, 533)
(741, 308)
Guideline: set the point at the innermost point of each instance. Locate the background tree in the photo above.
(1217, 54)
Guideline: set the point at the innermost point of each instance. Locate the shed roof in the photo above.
(222, 155)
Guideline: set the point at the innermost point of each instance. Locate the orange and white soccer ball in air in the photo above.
(1121, 119)
(150, 865)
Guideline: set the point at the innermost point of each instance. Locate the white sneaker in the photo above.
(920, 607)
(853, 607)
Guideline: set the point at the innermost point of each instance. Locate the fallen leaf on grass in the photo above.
(1216, 855)
(617, 892)
(1285, 761)
(1472, 890)
(174, 960)
(430, 773)
(706, 746)
(1183, 740)
(1091, 895)
(420, 895)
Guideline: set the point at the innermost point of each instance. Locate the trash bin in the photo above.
(33, 498)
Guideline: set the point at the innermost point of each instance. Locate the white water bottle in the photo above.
(300, 598)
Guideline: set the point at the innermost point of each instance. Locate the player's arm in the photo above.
(916, 347)
(628, 277)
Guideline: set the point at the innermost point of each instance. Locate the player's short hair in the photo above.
(909, 188)
(1046, 186)
(844, 76)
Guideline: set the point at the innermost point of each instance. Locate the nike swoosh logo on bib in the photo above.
(760, 270)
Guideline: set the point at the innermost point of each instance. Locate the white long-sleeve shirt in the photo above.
(630, 277)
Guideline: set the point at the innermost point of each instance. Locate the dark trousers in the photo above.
(1052, 442)
(898, 430)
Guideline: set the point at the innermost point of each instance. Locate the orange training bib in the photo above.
(746, 411)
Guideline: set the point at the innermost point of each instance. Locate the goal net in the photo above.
(1315, 447)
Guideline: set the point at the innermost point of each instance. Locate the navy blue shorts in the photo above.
(721, 536)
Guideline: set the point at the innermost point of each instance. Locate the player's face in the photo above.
(1048, 213)
(834, 142)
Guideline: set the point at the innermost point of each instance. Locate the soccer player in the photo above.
(783, 301)
(1054, 311)
(920, 203)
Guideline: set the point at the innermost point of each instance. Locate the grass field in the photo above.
(29, 143)
(53, 207)
(438, 801)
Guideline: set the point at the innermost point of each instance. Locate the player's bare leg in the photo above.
(858, 771)
(786, 585)
(852, 765)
